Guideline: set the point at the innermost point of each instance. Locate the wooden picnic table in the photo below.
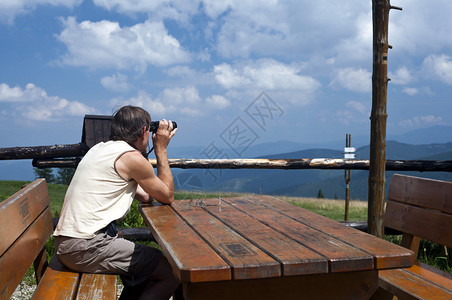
(260, 247)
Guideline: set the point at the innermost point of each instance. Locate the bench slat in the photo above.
(419, 208)
(427, 224)
(97, 286)
(17, 260)
(427, 193)
(196, 254)
(20, 210)
(58, 282)
(432, 275)
(407, 285)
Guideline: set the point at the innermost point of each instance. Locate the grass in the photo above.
(430, 253)
(56, 193)
(333, 209)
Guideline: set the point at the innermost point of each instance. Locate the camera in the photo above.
(155, 125)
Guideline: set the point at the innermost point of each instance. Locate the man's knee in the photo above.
(163, 271)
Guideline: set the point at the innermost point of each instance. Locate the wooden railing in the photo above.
(303, 163)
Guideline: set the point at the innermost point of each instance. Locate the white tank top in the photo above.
(97, 194)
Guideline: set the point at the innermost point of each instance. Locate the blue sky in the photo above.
(273, 70)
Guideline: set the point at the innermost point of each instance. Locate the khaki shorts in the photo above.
(134, 262)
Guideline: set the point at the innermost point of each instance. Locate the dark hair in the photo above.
(128, 123)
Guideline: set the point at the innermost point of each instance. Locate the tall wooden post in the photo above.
(347, 177)
(377, 180)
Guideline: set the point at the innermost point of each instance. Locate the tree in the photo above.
(46, 173)
(65, 175)
(320, 194)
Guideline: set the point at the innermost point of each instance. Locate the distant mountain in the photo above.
(307, 183)
(431, 135)
(397, 150)
(426, 136)
(335, 186)
(430, 143)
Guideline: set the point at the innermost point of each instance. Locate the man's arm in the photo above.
(132, 165)
(142, 196)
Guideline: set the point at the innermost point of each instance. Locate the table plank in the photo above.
(295, 258)
(386, 254)
(246, 260)
(341, 256)
(191, 258)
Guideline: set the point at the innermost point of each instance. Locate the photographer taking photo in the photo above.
(104, 185)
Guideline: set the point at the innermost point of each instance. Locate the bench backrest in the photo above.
(420, 208)
(25, 226)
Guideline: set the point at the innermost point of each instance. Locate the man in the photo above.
(107, 179)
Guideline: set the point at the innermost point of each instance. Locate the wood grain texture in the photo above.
(386, 255)
(408, 285)
(295, 258)
(246, 260)
(15, 262)
(97, 286)
(191, 258)
(315, 258)
(431, 274)
(349, 285)
(421, 192)
(420, 208)
(20, 210)
(58, 282)
(341, 256)
(425, 223)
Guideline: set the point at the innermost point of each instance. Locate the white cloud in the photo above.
(180, 10)
(144, 100)
(180, 96)
(116, 82)
(358, 106)
(264, 74)
(293, 28)
(34, 104)
(106, 44)
(422, 27)
(14, 94)
(410, 91)
(218, 101)
(356, 112)
(440, 67)
(170, 101)
(182, 71)
(355, 46)
(356, 80)
(401, 76)
(10, 9)
(420, 121)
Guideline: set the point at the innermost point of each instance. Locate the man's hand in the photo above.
(163, 135)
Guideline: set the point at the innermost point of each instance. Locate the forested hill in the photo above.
(307, 183)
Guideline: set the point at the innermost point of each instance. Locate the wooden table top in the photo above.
(262, 237)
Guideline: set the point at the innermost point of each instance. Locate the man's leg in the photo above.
(162, 283)
(132, 292)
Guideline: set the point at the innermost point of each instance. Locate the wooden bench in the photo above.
(25, 226)
(421, 209)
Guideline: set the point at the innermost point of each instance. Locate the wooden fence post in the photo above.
(377, 181)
